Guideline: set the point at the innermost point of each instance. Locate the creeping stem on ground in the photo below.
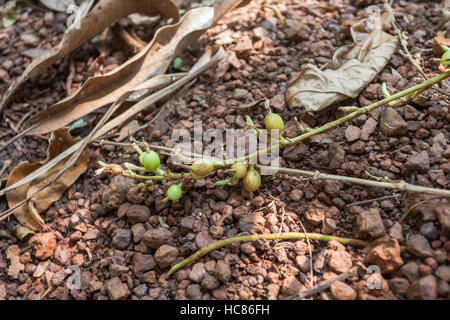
(275, 236)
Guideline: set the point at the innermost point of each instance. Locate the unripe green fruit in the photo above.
(150, 160)
(240, 170)
(202, 167)
(252, 181)
(273, 121)
(174, 192)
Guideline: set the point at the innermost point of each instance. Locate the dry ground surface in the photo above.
(124, 245)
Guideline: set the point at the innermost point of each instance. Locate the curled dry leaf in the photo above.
(152, 61)
(28, 214)
(23, 232)
(104, 13)
(352, 68)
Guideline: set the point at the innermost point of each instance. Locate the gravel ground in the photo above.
(124, 244)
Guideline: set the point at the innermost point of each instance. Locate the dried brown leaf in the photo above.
(23, 232)
(75, 156)
(352, 68)
(104, 13)
(153, 60)
(211, 57)
(28, 214)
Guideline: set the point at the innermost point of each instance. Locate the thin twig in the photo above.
(134, 44)
(70, 78)
(363, 110)
(277, 12)
(101, 142)
(16, 137)
(12, 125)
(46, 292)
(274, 236)
(6, 164)
(411, 208)
(358, 203)
(137, 38)
(323, 285)
(25, 117)
(396, 185)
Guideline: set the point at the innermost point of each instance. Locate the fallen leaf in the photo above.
(352, 68)
(153, 60)
(12, 254)
(211, 57)
(23, 232)
(28, 214)
(104, 13)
